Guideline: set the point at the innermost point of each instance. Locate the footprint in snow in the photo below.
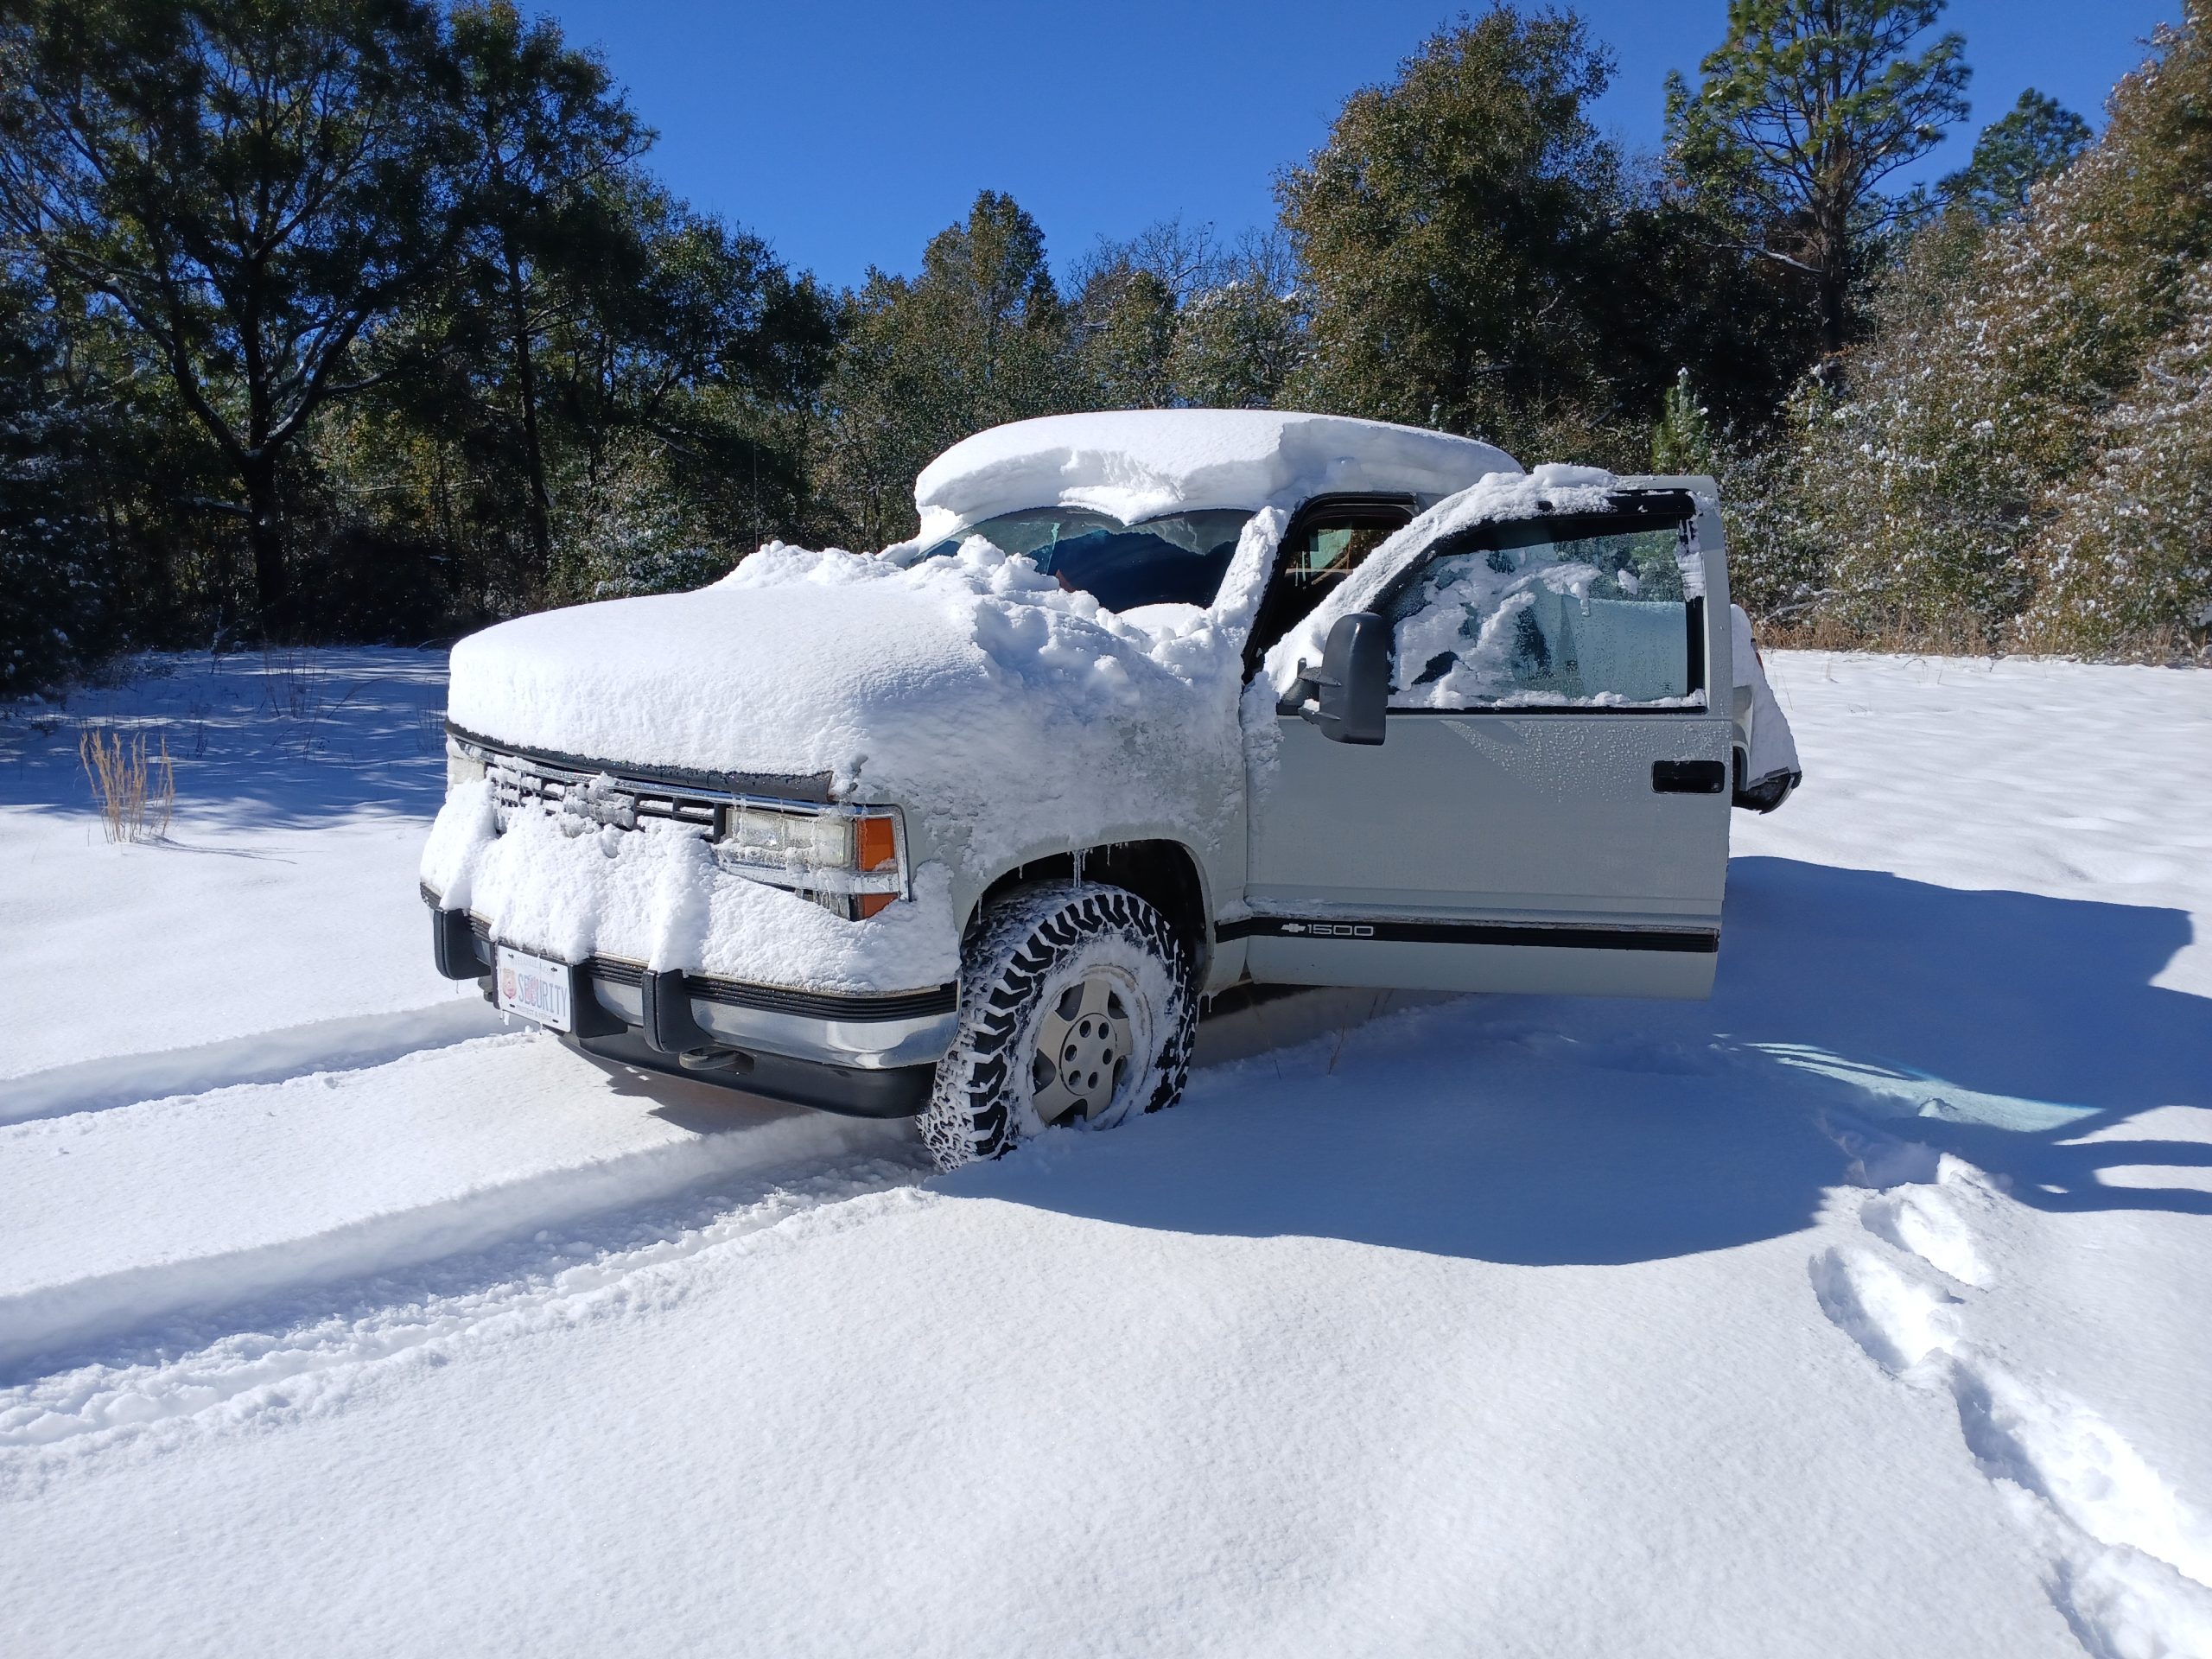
(1921, 1221)
(2129, 1560)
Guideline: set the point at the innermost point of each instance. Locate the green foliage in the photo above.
(1173, 319)
(2037, 138)
(1450, 233)
(50, 608)
(1472, 252)
(977, 339)
(248, 185)
(1238, 341)
(373, 284)
(1126, 343)
(1684, 440)
(1802, 111)
(2126, 554)
(2015, 441)
(363, 318)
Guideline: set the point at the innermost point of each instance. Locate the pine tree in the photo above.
(1683, 441)
(2022, 379)
(2037, 138)
(1802, 111)
(977, 339)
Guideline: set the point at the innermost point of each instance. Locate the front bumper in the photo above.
(864, 1056)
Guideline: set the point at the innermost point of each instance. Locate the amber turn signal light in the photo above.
(875, 843)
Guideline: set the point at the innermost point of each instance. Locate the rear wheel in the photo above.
(1076, 1008)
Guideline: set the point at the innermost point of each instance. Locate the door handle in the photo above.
(1688, 777)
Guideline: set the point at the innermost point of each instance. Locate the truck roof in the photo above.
(1137, 464)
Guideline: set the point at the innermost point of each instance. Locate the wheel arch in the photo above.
(1164, 873)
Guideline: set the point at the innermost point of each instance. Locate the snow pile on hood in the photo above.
(1137, 464)
(807, 664)
(1007, 716)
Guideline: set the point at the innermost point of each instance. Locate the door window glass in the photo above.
(1550, 616)
(1321, 551)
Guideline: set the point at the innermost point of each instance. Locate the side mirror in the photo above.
(1347, 698)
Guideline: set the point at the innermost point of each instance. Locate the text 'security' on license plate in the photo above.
(535, 988)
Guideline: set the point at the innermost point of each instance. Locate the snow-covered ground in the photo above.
(1861, 1310)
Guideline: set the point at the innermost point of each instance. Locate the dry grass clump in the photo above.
(137, 791)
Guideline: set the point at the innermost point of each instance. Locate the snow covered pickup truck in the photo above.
(1155, 704)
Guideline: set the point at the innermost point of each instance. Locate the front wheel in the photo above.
(1076, 1006)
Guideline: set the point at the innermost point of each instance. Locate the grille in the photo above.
(519, 782)
(712, 804)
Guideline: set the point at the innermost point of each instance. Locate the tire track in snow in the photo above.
(2130, 1559)
(344, 1045)
(286, 1356)
(312, 1100)
(169, 1211)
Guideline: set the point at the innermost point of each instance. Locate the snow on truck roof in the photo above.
(1136, 464)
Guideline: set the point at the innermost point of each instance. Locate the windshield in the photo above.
(1178, 559)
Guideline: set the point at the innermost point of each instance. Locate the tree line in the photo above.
(368, 319)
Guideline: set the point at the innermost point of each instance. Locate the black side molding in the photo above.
(1688, 777)
(1548, 935)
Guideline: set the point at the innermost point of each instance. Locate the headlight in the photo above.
(846, 859)
(462, 767)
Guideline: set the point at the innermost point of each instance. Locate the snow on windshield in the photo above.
(1177, 559)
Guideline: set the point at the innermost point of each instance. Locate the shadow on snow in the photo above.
(288, 741)
(1852, 1008)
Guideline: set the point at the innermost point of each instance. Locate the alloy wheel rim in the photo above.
(1084, 1045)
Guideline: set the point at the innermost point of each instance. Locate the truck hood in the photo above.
(971, 690)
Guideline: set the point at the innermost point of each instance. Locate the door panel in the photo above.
(1491, 851)
(1548, 810)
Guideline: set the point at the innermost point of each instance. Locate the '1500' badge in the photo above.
(1330, 929)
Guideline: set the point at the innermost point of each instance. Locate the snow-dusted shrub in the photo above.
(1959, 475)
(628, 532)
(1236, 344)
(2129, 552)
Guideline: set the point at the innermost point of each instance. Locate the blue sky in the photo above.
(850, 134)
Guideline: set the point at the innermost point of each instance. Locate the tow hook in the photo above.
(715, 1059)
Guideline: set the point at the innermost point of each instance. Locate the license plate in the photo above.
(535, 988)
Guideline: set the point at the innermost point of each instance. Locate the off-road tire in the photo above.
(1032, 943)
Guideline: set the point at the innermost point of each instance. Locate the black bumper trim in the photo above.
(729, 992)
(777, 999)
(1556, 935)
(669, 1025)
(853, 1092)
(452, 945)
